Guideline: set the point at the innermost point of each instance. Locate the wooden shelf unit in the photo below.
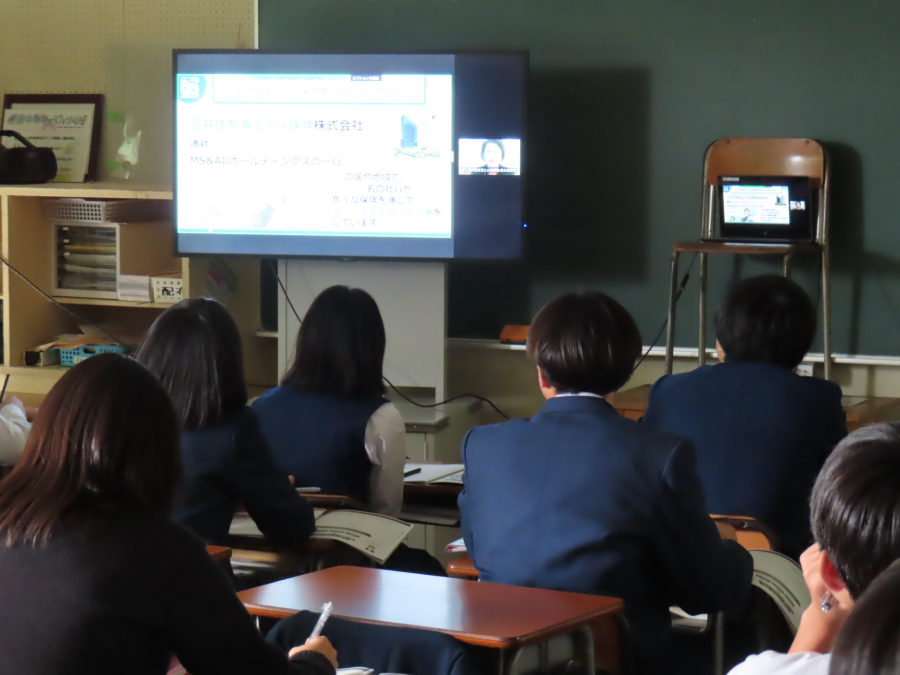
(29, 320)
(101, 302)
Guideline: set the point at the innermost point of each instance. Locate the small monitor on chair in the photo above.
(765, 208)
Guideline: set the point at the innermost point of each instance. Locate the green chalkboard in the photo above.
(624, 97)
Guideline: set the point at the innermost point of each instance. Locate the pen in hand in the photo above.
(320, 624)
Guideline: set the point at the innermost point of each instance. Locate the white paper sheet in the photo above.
(781, 579)
(452, 479)
(372, 534)
(429, 472)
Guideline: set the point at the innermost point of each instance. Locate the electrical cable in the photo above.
(68, 311)
(678, 292)
(389, 383)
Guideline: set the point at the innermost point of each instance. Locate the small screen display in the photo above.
(767, 204)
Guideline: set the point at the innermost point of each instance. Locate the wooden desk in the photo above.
(219, 553)
(860, 410)
(508, 618)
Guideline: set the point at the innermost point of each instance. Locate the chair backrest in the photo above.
(751, 533)
(765, 157)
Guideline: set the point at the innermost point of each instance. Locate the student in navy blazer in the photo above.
(578, 498)
(762, 432)
(329, 424)
(194, 349)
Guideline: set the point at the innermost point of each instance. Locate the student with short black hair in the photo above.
(762, 432)
(581, 499)
(854, 509)
(96, 576)
(869, 641)
(329, 424)
(194, 349)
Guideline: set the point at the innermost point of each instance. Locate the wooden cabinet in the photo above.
(29, 319)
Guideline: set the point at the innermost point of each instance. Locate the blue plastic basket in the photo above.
(70, 357)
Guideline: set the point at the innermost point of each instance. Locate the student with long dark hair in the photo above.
(329, 424)
(96, 576)
(578, 498)
(194, 349)
(854, 513)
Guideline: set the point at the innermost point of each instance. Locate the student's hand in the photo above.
(726, 531)
(12, 400)
(321, 645)
(818, 629)
(291, 478)
(811, 564)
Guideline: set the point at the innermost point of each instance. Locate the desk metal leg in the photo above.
(584, 643)
(508, 659)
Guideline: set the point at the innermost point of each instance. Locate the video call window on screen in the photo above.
(490, 156)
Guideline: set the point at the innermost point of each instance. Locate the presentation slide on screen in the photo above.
(306, 154)
(490, 156)
(767, 204)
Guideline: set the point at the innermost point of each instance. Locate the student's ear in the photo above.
(548, 390)
(720, 353)
(833, 581)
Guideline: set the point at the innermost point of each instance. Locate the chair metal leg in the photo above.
(670, 326)
(719, 644)
(701, 345)
(826, 312)
(583, 641)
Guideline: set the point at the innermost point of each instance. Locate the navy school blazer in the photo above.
(578, 498)
(227, 463)
(762, 433)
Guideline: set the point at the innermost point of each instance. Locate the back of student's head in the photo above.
(584, 342)
(194, 349)
(340, 345)
(855, 505)
(767, 319)
(106, 435)
(869, 641)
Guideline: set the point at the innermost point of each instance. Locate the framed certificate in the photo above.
(68, 123)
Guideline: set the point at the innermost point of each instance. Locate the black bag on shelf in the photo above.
(30, 164)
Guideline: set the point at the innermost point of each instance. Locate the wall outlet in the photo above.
(804, 370)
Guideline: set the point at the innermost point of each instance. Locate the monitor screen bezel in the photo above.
(523, 53)
(800, 228)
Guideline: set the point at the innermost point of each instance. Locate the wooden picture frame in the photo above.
(9, 100)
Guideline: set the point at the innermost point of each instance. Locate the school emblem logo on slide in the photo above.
(191, 88)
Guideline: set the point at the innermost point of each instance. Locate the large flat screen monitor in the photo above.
(349, 155)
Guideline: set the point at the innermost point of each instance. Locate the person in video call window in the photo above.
(746, 216)
(492, 153)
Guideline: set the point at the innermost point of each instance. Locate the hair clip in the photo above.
(827, 602)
